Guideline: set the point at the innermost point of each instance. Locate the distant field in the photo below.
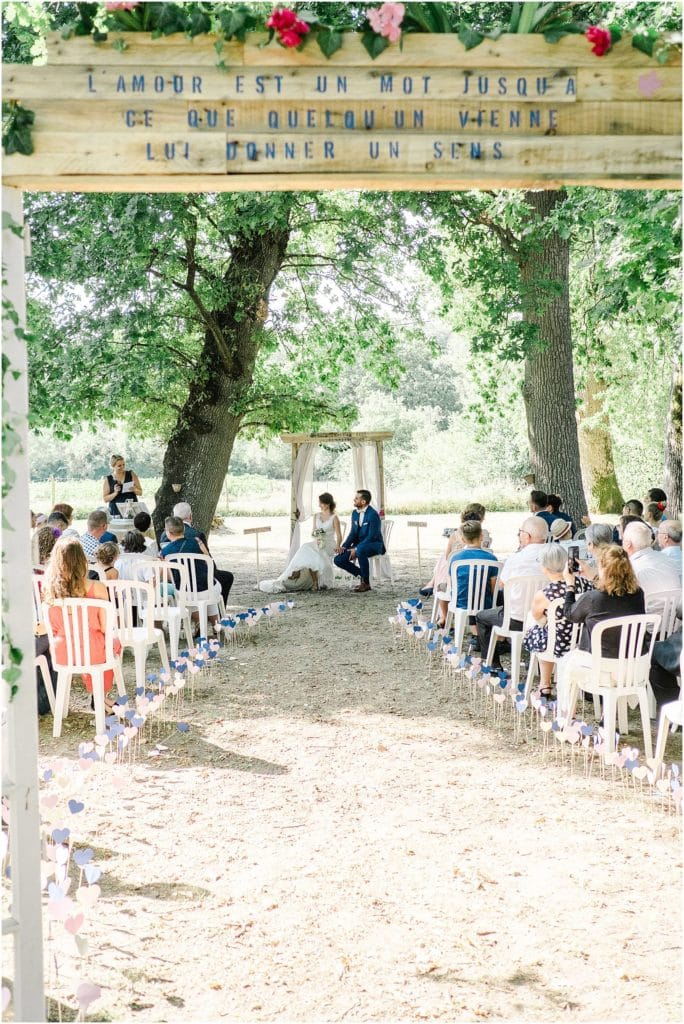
(259, 495)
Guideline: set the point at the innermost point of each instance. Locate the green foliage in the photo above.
(16, 128)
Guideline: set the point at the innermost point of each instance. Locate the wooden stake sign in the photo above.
(142, 114)
(256, 530)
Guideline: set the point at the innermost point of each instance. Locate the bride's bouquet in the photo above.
(318, 536)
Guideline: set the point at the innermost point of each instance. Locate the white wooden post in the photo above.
(20, 715)
(419, 524)
(256, 530)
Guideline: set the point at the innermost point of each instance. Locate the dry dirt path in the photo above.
(336, 838)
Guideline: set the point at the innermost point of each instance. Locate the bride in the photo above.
(312, 566)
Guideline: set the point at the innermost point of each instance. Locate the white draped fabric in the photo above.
(302, 472)
(367, 469)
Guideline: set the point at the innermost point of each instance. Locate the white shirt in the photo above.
(674, 553)
(522, 563)
(362, 512)
(654, 571)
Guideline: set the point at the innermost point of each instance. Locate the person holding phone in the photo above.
(120, 486)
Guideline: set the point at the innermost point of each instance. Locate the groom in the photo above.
(364, 541)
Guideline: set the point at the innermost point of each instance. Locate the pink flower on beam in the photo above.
(123, 5)
(386, 21)
(600, 39)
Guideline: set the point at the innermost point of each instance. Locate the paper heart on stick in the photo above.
(73, 924)
(92, 873)
(88, 895)
(59, 910)
(87, 993)
(49, 801)
(60, 835)
(83, 857)
(75, 806)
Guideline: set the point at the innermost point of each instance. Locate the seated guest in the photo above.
(471, 536)
(134, 550)
(617, 594)
(561, 529)
(669, 539)
(97, 533)
(46, 538)
(538, 503)
(665, 668)
(60, 522)
(653, 515)
(142, 522)
(553, 560)
(68, 512)
(105, 556)
(622, 522)
(178, 544)
(596, 536)
(659, 497)
(182, 510)
(473, 512)
(653, 570)
(633, 507)
(554, 504)
(524, 562)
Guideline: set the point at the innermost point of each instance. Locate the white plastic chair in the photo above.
(75, 612)
(127, 595)
(194, 598)
(169, 602)
(671, 719)
(547, 654)
(616, 679)
(41, 664)
(478, 570)
(667, 604)
(38, 614)
(528, 587)
(380, 566)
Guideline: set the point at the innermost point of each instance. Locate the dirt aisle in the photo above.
(337, 839)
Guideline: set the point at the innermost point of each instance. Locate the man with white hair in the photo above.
(183, 510)
(653, 570)
(524, 562)
(669, 537)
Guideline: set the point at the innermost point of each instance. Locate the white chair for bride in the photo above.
(381, 565)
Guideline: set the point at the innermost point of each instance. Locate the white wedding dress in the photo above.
(315, 556)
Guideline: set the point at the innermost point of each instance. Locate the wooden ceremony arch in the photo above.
(369, 437)
(135, 114)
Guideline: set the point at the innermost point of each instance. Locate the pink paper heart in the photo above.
(87, 993)
(87, 896)
(130, 731)
(101, 740)
(49, 801)
(73, 924)
(85, 764)
(111, 757)
(60, 909)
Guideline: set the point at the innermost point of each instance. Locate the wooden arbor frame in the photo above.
(375, 437)
(136, 114)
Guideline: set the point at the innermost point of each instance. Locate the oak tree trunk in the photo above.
(672, 477)
(199, 449)
(549, 386)
(596, 449)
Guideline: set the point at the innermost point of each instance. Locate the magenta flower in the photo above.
(122, 5)
(386, 21)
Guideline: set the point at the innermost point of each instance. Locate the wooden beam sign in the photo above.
(142, 114)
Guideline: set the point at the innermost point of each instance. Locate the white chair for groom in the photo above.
(380, 566)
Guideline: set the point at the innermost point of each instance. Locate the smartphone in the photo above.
(573, 558)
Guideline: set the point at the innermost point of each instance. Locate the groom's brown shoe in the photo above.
(362, 587)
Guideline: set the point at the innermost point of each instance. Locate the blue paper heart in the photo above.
(503, 683)
(75, 806)
(92, 873)
(55, 892)
(632, 763)
(586, 730)
(111, 720)
(486, 670)
(521, 687)
(47, 774)
(122, 700)
(83, 857)
(129, 714)
(183, 727)
(60, 835)
(139, 690)
(432, 646)
(555, 725)
(282, 607)
(151, 677)
(91, 756)
(138, 721)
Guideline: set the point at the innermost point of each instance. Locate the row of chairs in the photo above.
(613, 680)
(154, 600)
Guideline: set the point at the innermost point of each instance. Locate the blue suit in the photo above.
(367, 539)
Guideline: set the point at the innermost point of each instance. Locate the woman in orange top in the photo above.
(67, 576)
